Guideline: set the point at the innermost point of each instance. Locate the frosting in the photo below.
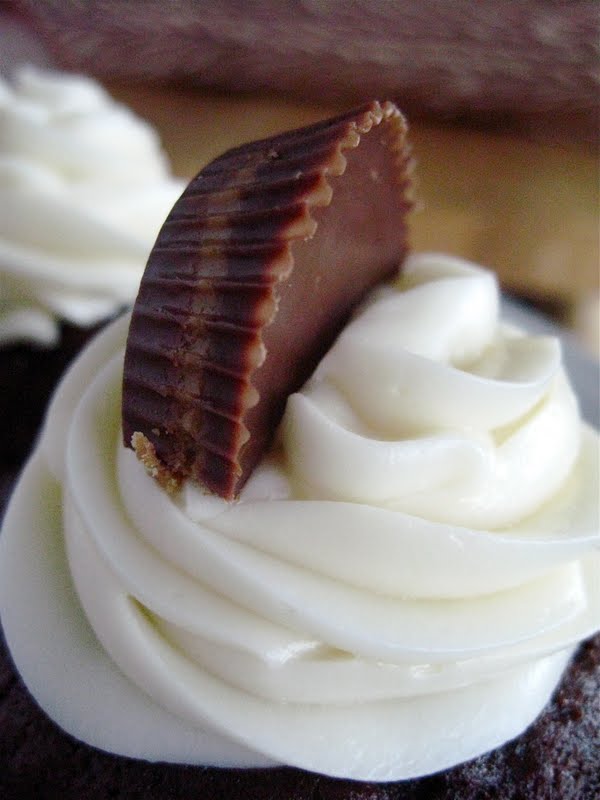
(84, 188)
(398, 589)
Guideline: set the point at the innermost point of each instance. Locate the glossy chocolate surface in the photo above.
(255, 271)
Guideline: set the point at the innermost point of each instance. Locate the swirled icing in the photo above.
(404, 577)
(84, 188)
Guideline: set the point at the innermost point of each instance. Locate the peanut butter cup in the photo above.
(255, 271)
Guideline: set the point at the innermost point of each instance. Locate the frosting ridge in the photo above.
(316, 610)
(84, 188)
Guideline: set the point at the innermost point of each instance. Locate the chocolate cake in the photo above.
(69, 262)
(558, 756)
(534, 66)
(28, 376)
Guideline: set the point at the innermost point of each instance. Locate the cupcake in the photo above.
(85, 188)
(285, 557)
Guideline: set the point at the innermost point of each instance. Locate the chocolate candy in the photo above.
(255, 271)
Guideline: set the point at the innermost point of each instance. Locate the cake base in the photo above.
(28, 376)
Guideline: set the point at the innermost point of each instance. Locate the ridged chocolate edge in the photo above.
(210, 289)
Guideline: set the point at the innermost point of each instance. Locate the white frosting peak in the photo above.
(426, 404)
(404, 577)
(84, 188)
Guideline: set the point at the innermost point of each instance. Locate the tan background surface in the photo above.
(529, 210)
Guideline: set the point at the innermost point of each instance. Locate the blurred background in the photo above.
(502, 99)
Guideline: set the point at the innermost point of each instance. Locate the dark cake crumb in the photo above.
(28, 375)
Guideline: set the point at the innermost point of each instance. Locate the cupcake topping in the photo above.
(255, 271)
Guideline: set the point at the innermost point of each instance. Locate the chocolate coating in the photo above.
(255, 271)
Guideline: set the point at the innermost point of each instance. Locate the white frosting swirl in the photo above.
(84, 188)
(403, 579)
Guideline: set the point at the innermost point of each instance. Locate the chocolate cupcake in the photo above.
(85, 188)
(389, 585)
